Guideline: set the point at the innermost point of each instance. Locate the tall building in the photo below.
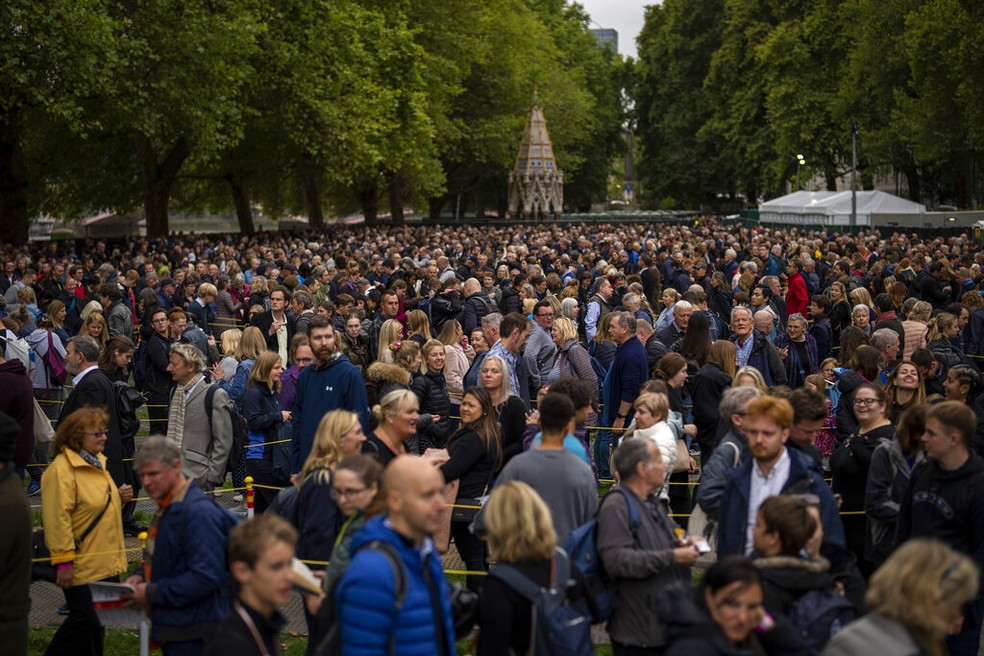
(607, 37)
(536, 184)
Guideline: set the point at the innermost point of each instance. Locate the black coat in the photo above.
(432, 390)
(706, 390)
(264, 320)
(787, 578)
(96, 390)
(157, 379)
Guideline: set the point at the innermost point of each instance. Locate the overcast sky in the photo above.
(623, 15)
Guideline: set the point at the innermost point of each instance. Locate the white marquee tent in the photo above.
(833, 208)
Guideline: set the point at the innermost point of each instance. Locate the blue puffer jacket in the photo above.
(261, 408)
(366, 599)
(189, 587)
(804, 478)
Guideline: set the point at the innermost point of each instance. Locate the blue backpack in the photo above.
(581, 545)
(561, 627)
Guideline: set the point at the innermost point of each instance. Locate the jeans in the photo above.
(601, 450)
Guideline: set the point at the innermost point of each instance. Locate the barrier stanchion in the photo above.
(249, 497)
(144, 623)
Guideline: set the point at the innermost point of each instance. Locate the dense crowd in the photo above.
(589, 415)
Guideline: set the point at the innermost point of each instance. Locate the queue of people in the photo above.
(716, 376)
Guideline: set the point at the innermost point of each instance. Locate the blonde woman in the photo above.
(913, 602)
(435, 403)
(264, 423)
(520, 534)
(458, 356)
(395, 420)
(651, 413)
(251, 344)
(750, 377)
(230, 342)
(390, 334)
(509, 409)
(418, 327)
(95, 326)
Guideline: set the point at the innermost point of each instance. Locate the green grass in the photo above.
(126, 642)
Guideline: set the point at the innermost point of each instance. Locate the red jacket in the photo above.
(797, 298)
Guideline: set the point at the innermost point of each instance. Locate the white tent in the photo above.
(833, 208)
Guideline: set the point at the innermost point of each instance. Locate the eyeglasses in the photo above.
(159, 320)
(98, 433)
(305, 360)
(867, 403)
(337, 493)
(545, 314)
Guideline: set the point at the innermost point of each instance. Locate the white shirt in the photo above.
(764, 486)
(79, 376)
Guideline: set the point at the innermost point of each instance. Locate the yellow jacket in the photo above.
(73, 493)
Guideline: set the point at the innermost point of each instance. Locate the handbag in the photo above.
(682, 463)
(465, 509)
(57, 372)
(42, 569)
(43, 431)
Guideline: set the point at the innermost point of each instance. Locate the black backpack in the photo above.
(561, 627)
(239, 429)
(819, 615)
(140, 364)
(127, 401)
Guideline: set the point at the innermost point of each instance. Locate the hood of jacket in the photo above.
(37, 338)
(388, 373)
(849, 381)
(13, 366)
(796, 574)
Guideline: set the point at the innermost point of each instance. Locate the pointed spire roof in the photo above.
(535, 150)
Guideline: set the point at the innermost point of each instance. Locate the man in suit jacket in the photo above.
(93, 388)
(205, 441)
(277, 326)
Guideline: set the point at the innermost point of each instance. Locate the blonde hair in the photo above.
(263, 367)
(506, 389)
(942, 321)
(96, 317)
(565, 328)
(418, 324)
(230, 340)
(326, 451)
(723, 353)
(426, 351)
(921, 311)
(389, 334)
(518, 524)
(407, 352)
(393, 402)
(657, 404)
(754, 374)
(207, 289)
(251, 344)
(914, 581)
(860, 296)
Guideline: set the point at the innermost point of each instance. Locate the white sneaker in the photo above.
(237, 497)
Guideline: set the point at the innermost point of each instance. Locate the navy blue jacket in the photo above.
(626, 375)
(804, 477)
(261, 408)
(318, 518)
(321, 389)
(366, 598)
(189, 589)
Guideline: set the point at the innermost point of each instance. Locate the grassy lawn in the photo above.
(126, 642)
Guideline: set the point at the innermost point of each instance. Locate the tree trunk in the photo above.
(395, 200)
(369, 201)
(434, 207)
(312, 194)
(157, 180)
(240, 198)
(13, 181)
(913, 180)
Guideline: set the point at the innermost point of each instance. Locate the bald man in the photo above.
(397, 547)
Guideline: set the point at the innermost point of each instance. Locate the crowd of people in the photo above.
(797, 414)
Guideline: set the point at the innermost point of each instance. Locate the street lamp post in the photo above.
(799, 162)
(854, 173)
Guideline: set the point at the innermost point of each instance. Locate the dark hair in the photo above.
(318, 322)
(670, 365)
(118, 343)
(910, 428)
(487, 426)
(365, 466)
(956, 416)
(512, 322)
(725, 572)
(865, 361)
(851, 339)
(577, 390)
(791, 519)
(967, 375)
(808, 404)
(111, 291)
(883, 302)
(922, 357)
(556, 411)
(822, 301)
(696, 342)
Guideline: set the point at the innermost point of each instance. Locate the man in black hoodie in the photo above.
(945, 500)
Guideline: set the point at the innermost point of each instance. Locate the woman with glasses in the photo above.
(850, 462)
(357, 481)
(83, 525)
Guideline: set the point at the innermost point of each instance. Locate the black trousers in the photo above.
(81, 634)
(472, 552)
(262, 473)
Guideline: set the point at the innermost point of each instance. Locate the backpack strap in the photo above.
(388, 551)
(516, 580)
(634, 520)
(209, 395)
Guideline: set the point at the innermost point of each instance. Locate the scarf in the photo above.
(176, 415)
(91, 459)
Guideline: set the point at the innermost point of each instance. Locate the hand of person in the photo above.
(693, 465)
(285, 415)
(126, 493)
(275, 326)
(294, 478)
(533, 418)
(436, 457)
(690, 429)
(838, 499)
(63, 578)
(217, 372)
(211, 340)
(435, 418)
(313, 602)
(139, 593)
(784, 352)
(685, 556)
(619, 422)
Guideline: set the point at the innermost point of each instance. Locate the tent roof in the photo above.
(839, 202)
